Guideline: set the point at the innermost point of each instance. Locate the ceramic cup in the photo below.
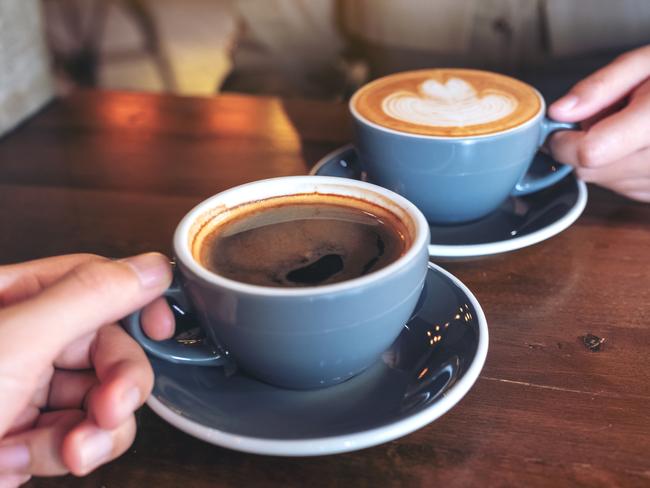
(455, 179)
(300, 338)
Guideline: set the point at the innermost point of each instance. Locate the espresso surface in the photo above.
(447, 102)
(303, 240)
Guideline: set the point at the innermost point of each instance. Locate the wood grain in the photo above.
(112, 173)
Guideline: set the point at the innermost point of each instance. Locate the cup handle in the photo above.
(524, 187)
(200, 354)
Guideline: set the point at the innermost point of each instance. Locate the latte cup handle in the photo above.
(201, 354)
(527, 184)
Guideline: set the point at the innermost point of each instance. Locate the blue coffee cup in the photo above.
(457, 179)
(308, 337)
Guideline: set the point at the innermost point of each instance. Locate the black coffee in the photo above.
(301, 240)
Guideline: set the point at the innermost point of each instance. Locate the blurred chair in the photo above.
(327, 48)
(76, 31)
(291, 48)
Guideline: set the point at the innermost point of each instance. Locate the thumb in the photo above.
(35, 331)
(90, 295)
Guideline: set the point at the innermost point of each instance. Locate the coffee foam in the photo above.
(447, 102)
(454, 104)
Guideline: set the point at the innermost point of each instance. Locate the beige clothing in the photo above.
(389, 35)
(325, 48)
(506, 30)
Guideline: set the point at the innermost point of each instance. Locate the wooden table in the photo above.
(112, 173)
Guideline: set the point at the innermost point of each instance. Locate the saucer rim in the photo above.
(496, 247)
(319, 446)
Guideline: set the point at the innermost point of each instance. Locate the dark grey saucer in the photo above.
(429, 368)
(519, 222)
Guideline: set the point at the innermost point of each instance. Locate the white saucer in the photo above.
(430, 367)
(519, 222)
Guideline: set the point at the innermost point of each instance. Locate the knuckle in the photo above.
(90, 276)
(589, 153)
(635, 60)
(102, 278)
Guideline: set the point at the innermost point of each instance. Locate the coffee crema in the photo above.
(300, 240)
(447, 102)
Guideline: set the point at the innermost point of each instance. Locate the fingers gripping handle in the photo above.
(198, 354)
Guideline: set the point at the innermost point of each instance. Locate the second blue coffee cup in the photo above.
(457, 179)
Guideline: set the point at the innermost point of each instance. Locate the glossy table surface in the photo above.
(112, 173)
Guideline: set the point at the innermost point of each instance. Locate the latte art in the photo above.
(453, 104)
(447, 102)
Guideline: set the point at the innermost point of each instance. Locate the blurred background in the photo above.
(324, 48)
(321, 49)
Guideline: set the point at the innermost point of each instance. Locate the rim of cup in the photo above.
(296, 185)
(351, 106)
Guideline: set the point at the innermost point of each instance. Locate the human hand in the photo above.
(70, 377)
(613, 147)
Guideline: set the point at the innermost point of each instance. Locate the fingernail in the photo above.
(152, 269)
(131, 400)
(14, 458)
(96, 448)
(566, 103)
